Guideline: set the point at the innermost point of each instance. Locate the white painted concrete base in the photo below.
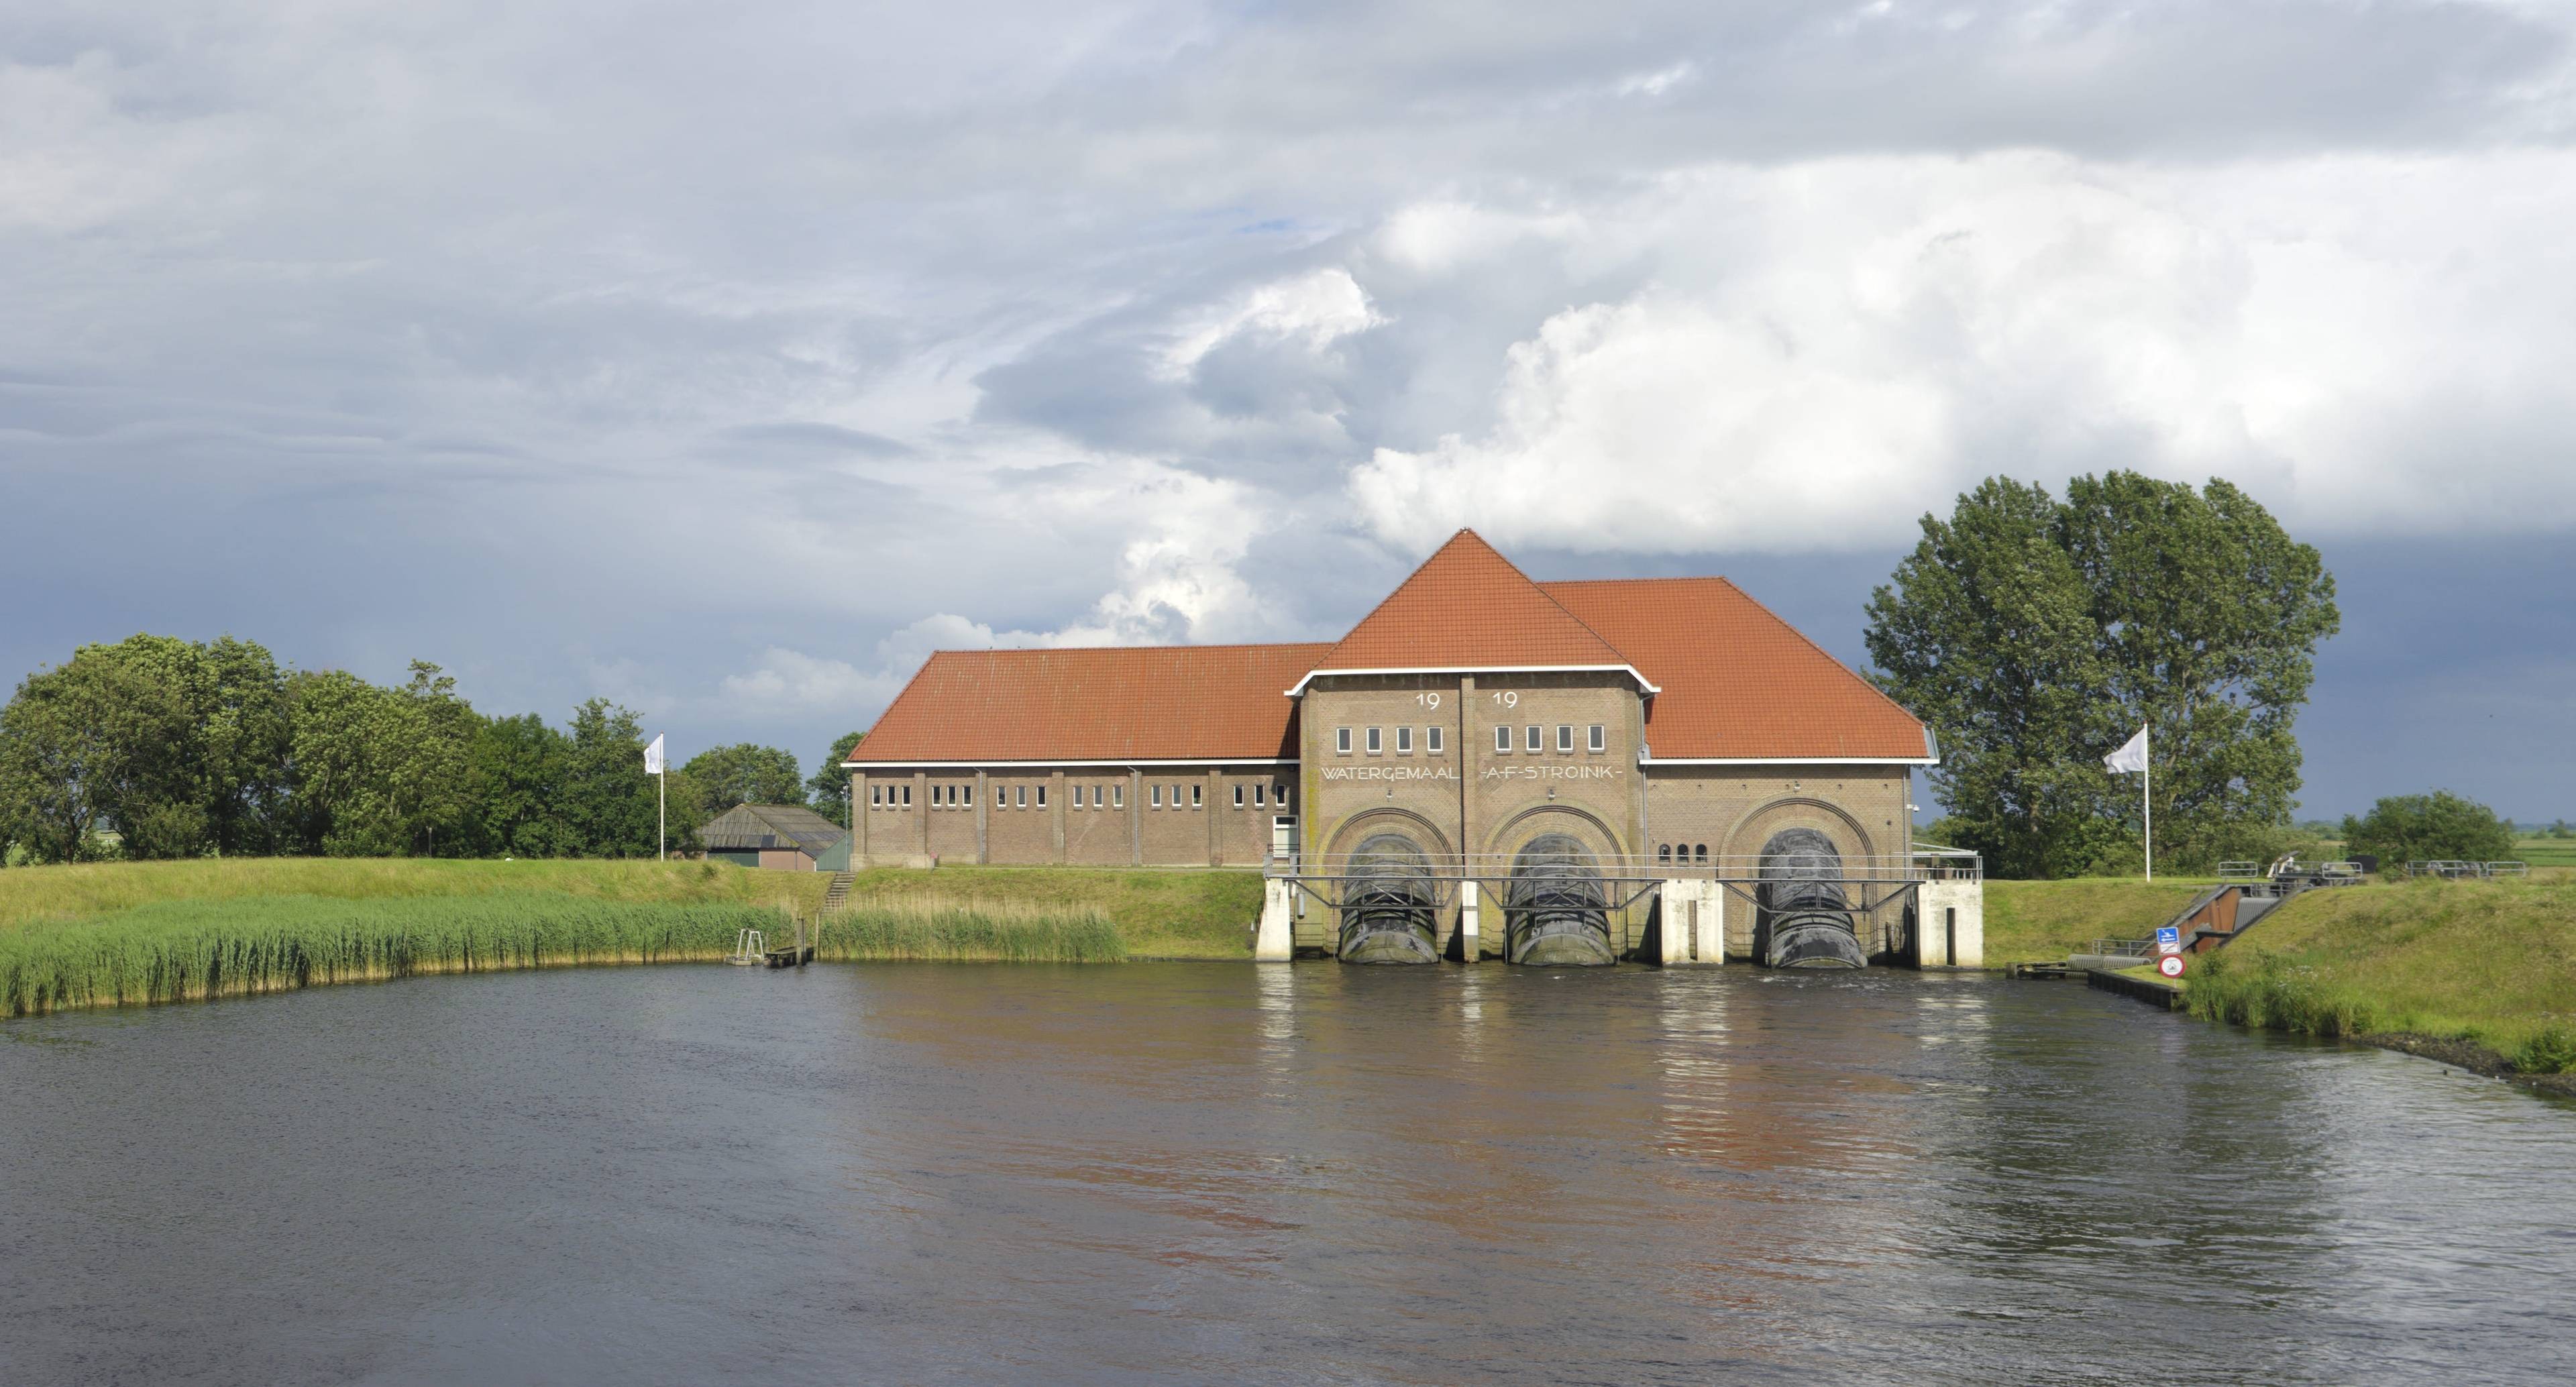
(1274, 939)
(1950, 924)
(1470, 945)
(1692, 933)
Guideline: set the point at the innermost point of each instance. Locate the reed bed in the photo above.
(932, 929)
(193, 950)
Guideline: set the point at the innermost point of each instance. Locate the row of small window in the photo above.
(961, 795)
(1596, 739)
(1682, 852)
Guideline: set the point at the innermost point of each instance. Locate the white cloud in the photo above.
(1314, 309)
(1828, 349)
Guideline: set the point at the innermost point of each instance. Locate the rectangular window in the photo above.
(1117, 796)
(1404, 741)
(1041, 797)
(1076, 801)
(1001, 796)
(1600, 738)
(907, 797)
(1503, 740)
(1194, 795)
(876, 795)
(1024, 796)
(1279, 795)
(1257, 799)
(1433, 741)
(1537, 739)
(1341, 741)
(1377, 740)
(1157, 793)
(1238, 797)
(1565, 736)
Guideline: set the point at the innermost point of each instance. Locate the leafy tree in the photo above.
(745, 774)
(82, 748)
(606, 802)
(2035, 635)
(2416, 828)
(513, 771)
(829, 788)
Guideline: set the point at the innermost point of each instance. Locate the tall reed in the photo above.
(919, 928)
(2270, 992)
(190, 950)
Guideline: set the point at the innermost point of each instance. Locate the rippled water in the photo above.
(1220, 1173)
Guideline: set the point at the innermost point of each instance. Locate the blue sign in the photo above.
(2168, 939)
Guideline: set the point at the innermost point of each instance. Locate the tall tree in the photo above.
(513, 775)
(604, 798)
(2438, 826)
(83, 748)
(828, 789)
(745, 773)
(2036, 635)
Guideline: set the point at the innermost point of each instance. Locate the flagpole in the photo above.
(662, 810)
(2146, 796)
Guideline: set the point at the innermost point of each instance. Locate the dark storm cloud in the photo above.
(514, 336)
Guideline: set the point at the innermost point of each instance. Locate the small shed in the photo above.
(785, 837)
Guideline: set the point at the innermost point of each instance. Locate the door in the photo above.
(1283, 838)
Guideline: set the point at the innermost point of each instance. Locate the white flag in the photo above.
(653, 757)
(2132, 757)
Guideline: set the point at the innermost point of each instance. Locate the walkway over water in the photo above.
(1223, 1173)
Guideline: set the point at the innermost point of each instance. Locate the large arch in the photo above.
(1556, 912)
(1804, 919)
(1855, 845)
(1389, 903)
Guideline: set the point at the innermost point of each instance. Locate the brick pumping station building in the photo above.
(1485, 767)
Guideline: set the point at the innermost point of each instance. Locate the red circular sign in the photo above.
(2170, 965)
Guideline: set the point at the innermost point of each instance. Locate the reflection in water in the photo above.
(1188, 1174)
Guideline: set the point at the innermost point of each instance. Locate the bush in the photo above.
(2552, 1051)
(2415, 828)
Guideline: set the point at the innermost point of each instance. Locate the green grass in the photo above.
(121, 933)
(90, 890)
(2044, 921)
(174, 951)
(2546, 852)
(1197, 913)
(2492, 963)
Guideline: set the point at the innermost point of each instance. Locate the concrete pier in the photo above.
(1691, 932)
(1470, 939)
(1950, 924)
(1273, 940)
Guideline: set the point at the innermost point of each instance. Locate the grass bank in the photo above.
(139, 933)
(2479, 966)
(2044, 921)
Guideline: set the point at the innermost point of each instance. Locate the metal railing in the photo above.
(2454, 870)
(1941, 865)
(2124, 948)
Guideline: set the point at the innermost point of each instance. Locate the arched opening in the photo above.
(1388, 903)
(1555, 912)
(1804, 921)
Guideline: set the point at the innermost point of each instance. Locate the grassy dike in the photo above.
(2479, 973)
(2044, 921)
(128, 933)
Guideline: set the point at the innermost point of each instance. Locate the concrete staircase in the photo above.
(838, 894)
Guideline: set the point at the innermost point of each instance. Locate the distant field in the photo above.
(2547, 852)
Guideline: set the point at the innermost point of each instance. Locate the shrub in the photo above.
(2551, 1051)
(2440, 825)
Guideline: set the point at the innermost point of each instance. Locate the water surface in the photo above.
(1182, 1173)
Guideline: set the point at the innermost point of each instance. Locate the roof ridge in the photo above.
(1075, 649)
(1481, 546)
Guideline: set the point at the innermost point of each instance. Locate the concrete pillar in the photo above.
(1471, 946)
(1691, 932)
(1274, 941)
(1950, 924)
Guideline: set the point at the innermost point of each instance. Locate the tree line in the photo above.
(159, 747)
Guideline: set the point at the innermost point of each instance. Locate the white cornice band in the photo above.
(1630, 670)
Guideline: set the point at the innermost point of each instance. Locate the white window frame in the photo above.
(1341, 741)
(1565, 738)
(1238, 796)
(1377, 741)
(1024, 797)
(1156, 791)
(1537, 739)
(1041, 794)
(1502, 739)
(1195, 788)
(1404, 741)
(1259, 789)
(1598, 739)
(1117, 796)
(1434, 743)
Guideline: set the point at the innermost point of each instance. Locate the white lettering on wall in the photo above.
(1528, 772)
(1390, 773)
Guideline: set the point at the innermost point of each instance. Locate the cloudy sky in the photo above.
(723, 359)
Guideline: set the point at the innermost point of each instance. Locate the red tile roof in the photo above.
(1737, 680)
(1143, 703)
(1466, 607)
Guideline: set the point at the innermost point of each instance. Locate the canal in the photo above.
(1205, 1173)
